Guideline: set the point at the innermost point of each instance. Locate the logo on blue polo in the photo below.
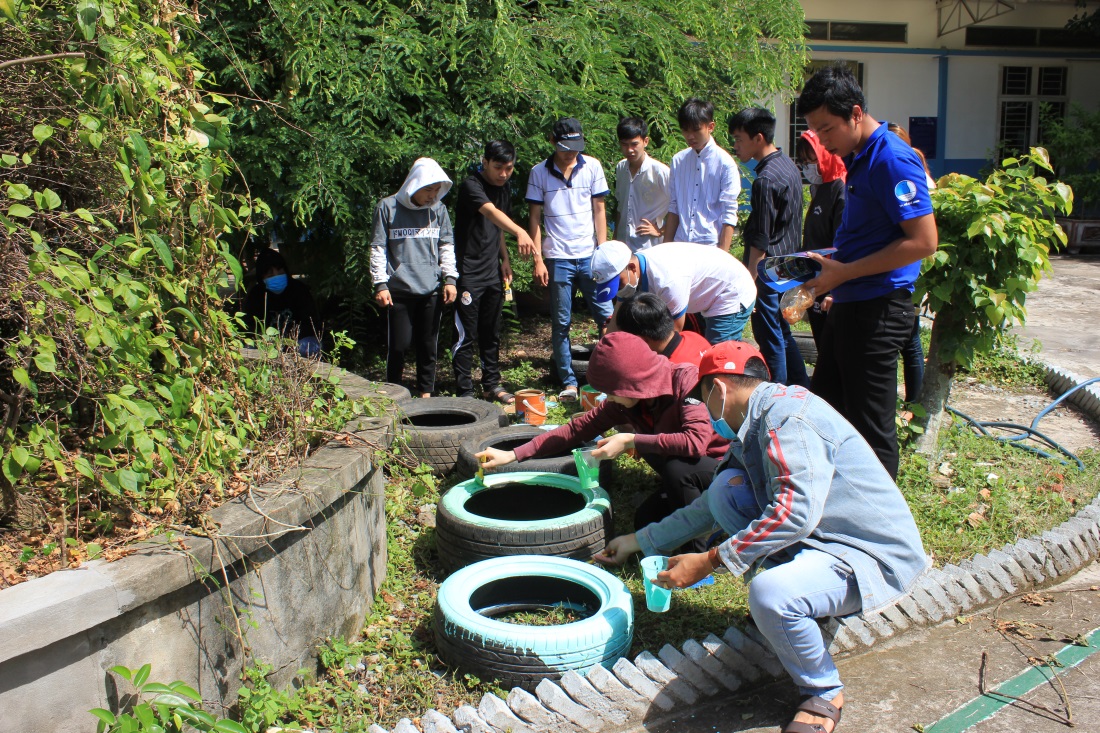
(906, 191)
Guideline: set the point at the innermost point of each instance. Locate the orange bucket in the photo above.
(531, 406)
(590, 397)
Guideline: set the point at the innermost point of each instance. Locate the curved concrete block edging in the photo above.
(297, 559)
(652, 685)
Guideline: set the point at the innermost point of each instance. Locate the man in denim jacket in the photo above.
(814, 520)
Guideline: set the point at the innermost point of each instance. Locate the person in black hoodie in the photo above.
(279, 301)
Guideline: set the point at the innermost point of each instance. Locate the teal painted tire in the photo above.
(524, 513)
(518, 655)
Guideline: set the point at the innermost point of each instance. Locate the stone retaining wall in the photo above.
(297, 560)
(650, 686)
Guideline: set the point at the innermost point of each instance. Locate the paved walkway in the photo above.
(1064, 316)
(927, 675)
(930, 677)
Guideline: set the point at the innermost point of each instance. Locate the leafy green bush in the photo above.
(121, 366)
(172, 708)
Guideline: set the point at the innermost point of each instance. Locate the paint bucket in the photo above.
(531, 406)
(590, 397)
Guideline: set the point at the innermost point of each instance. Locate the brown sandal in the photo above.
(815, 706)
(502, 396)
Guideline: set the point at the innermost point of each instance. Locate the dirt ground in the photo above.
(1066, 424)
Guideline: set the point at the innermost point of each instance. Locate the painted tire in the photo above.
(518, 655)
(806, 345)
(436, 427)
(513, 436)
(549, 515)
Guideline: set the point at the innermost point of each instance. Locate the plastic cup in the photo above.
(588, 468)
(657, 599)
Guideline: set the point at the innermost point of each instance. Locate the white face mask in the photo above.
(812, 175)
(628, 290)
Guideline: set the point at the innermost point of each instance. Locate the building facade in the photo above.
(970, 79)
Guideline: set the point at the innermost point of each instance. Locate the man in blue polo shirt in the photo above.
(886, 230)
(567, 191)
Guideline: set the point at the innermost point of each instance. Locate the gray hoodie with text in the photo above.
(412, 249)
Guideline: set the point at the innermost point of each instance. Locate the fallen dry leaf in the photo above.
(975, 519)
(1036, 599)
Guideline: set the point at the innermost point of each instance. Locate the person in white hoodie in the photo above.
(412, 254)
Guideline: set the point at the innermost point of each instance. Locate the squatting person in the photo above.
(815, 522)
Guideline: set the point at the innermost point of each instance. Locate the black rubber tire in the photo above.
(395, 392)
(514, 435)
(580, 354)
(438, 444)
(464, 535)
(806, 345)
(515, 655)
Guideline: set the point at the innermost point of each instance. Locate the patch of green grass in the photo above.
(547, 616)
(983, 494)
(1002, 367)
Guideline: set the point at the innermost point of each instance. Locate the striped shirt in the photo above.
(703, 191)
(775, 224)
(569, 229)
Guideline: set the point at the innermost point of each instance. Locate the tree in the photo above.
(995, 241)
(338, 98)
(1074, 145)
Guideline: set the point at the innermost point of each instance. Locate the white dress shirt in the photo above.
(703, 190)
(641, 196)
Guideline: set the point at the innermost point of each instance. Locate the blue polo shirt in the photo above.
(886, 185)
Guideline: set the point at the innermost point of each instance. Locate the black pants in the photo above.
(414, 321)
(477, 315)
(857, 367)
(682, 482)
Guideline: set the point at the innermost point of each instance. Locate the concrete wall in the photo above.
(939, 76)
(289, 587)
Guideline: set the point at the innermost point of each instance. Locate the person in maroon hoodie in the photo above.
(670, 430)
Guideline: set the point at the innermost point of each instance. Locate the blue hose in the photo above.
(1028, 431)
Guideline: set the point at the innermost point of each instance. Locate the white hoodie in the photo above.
(412, 247)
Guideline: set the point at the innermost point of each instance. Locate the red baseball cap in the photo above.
(731, 357)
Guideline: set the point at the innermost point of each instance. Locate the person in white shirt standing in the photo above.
(566, 195)
(688, 277)
(641, 188)
(704, 183)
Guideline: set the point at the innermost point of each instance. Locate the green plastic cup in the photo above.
(588, 468)
(657, 599)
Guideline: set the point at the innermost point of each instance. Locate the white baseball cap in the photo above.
(608, 262)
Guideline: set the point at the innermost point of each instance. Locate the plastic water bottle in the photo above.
(795, 302)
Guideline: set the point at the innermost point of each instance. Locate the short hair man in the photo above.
(704, 183)
(647, 317)
(688, 277)
(641, 187)
(886, 230)
(482, 215)
(773, 228)
(571, 188)
(670, 432)
(814, 520)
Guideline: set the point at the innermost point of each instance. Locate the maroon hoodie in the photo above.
(666, 421)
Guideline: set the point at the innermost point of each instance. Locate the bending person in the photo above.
(647, 317)
(815, 522)
(669, 430)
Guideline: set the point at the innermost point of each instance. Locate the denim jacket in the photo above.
(811, 480)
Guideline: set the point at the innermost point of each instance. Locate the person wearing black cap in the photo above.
(569, 188)
(279, 301)
(816, 525)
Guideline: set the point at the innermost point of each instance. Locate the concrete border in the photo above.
(623, 697)
(295, 560)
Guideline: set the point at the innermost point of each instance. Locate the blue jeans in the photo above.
(912, 357)
(773, 338)
(785, 602)
(728, 327)
(566, 276)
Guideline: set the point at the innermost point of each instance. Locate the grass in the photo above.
(547, 616)
(979, 496)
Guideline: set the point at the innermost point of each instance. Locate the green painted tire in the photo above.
(467, 636)
(501, 517)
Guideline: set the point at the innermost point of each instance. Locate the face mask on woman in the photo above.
(812, 175)
(276, 283)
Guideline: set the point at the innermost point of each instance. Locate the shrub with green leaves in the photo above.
(121, 371)
(171, 708)
(996, 237)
